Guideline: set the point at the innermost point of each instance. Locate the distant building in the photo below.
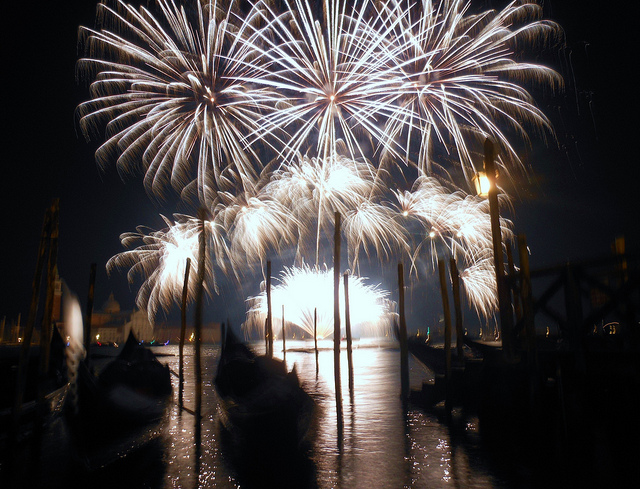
(112, 325)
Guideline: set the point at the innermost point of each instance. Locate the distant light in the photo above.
(405, 213)
(481, 183)
(432, 234)
(332, 97)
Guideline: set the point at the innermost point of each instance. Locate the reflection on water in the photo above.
(381, 444)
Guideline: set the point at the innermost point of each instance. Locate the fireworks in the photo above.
(370, 310)
(172, 95)
(276, 118)
(328, 61)
(455, 77)
(161, 261)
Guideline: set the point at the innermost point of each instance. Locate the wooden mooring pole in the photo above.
(86, 340)
(336, 318)
(455, 281)
(269, 332)
(504, 301)
(197, 323)
(526, 293)
(284, 338)
(347, 325)
(315, 335)
(46, 328)
(23, 360)
(404, 348)
(447, 337)
(183, 330)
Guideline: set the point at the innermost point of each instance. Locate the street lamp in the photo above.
(481, 183)
(504, 301)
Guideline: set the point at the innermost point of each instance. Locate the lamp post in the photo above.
(504, 302)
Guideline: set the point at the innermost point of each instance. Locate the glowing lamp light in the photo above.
(481, 183)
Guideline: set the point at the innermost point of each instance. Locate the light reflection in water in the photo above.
(381, 446)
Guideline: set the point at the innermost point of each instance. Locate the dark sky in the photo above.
(580, 198)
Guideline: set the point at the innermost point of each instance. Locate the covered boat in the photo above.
(433, 355)
(122, 408)
(55, 388)
(261, 404)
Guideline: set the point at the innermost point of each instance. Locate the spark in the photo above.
(327, 64)
(456, 77)
(161, 261)
(169, 93)
(303, 290)
(459, 223)
(277, 117)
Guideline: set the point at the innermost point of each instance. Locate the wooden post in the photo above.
(517, 299)
(315, 335)
(284, 339)
(46, 328)
(269, 313)
(183, 330)
(573, 305)
(504, 302)
(526, 292)
(347, 325)
(28, 333)
(89, 314)
(404, 348)
(197, 323)
(455, 280)
(336, 317)
(447, 337)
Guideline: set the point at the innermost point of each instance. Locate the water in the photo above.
(382, 445)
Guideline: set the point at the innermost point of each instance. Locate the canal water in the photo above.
(382, 444)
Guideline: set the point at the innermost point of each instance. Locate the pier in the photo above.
(568, 382)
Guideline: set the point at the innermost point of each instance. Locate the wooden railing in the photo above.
(577, 301)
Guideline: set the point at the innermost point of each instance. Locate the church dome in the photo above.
(112, 306)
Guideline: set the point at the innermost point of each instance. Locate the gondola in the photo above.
(433, 355)
(55, 388)
(122, 408)
(262, 407)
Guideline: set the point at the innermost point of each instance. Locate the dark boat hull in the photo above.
(122, 409)
(55, 388)
(434, 356)
(261, 405)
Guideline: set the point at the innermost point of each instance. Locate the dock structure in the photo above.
(575, 341)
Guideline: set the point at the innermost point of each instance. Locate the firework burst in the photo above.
(200, 97)
(460, 224)
(456, 77)
(323, 58)
(170, 95)
(161, 261)
(308, 291)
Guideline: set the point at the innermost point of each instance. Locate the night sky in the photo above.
(579, 198)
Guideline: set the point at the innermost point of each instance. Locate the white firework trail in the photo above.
(305, 291)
